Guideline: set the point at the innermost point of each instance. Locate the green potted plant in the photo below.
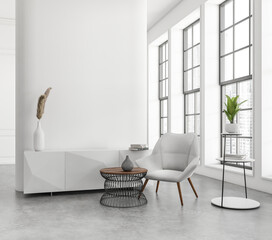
(232, 108)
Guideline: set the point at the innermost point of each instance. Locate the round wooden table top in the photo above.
(118, 170)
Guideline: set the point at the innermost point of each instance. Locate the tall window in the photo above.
(163, 86)
(191, 76)
(236, 70)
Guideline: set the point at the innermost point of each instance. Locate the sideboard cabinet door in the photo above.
(44, 172)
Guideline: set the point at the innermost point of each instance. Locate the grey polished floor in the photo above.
(80, 215)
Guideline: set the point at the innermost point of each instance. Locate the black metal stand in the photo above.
(245, 179)
(234, 202)
(223, 174)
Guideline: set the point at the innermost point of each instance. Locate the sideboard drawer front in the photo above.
(83, 172)
(44, 172)
(110, 158)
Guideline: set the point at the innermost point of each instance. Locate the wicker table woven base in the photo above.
(122, 189)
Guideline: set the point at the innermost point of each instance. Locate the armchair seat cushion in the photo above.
(164, 175)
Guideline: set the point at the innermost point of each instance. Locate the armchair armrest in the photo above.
(189, 170)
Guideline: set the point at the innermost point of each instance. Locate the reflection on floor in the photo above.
(80, 215)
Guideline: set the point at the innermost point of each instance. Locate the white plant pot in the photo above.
(38, 138)
(232, 127)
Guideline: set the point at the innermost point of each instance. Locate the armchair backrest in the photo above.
(176, 151)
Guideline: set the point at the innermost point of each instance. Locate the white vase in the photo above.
(38, 138)
(232, 127)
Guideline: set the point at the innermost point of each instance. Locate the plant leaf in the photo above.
(228, 116)
(241, 103)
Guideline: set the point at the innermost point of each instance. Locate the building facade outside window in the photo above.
(163, 87)
(191, 77)
(236, 70)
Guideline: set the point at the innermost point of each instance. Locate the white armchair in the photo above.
(174, 159)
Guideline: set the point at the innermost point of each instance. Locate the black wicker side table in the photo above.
(123, 189)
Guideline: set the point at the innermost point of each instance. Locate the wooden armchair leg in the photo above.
(157, 188)
(189, 179)
(180, 195)
(146, 180)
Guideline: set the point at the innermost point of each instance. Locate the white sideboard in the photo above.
(57, 171)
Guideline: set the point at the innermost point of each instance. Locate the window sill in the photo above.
(231, 169)
(268, 178)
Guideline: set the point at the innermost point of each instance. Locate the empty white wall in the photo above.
(176, 97)
(266, 89)
(93, 54)
(7, 81)
(210, 89)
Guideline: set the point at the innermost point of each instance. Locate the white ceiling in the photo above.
(156, 9)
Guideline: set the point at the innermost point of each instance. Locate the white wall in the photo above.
(210, 89)
(176, 97)
(261, 178)
(93, 55)
(266, 88)
(7, 81)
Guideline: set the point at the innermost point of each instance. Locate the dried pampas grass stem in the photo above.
(41, 103)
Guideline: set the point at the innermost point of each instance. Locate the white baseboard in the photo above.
(7, 160)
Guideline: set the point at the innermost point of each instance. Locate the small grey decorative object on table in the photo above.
(234, 202)
(127, 165)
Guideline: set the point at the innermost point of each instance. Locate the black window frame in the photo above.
(237, 80)
(163, 63)
(193, 91)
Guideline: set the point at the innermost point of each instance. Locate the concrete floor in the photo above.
(80, 215)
